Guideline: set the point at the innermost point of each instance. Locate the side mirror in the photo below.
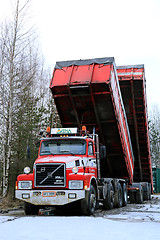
(28, 152)
(102, 151)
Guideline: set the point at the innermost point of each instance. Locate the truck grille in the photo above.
(50, 175)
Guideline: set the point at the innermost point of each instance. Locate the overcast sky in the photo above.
(128, 30)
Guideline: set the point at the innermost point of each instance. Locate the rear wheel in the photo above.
(108, 202)
(132, 197)
(150, 191)
(31, 209)
(118, 196)
(139, 195)
(145, 187)
(124, 189)
(146, 191)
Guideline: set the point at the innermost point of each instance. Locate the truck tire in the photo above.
(132, 197)
(118, 199)
(125, 195)
(108, 202)
(150, 191)
(145, 187)
(139, 195)
(146, 191)
(88, 205)
(30, 209)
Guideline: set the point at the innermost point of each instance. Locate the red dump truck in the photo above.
(101, 153)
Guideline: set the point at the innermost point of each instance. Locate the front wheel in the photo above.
(88, 205)
(92, 201)
(30, 209)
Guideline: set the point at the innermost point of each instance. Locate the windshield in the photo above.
(63, 147)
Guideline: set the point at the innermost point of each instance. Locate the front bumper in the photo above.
(50, 197)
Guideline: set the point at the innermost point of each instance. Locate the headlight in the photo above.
(25, 185)
(75, 169)
(27, 170)
(75, 184)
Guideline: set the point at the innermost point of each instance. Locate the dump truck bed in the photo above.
(133, 89)
(86, 92)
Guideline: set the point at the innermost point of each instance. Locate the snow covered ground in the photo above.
(134, 222)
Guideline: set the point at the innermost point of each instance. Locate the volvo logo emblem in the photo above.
(43, 169)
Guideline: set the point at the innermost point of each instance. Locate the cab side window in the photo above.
(90, 148)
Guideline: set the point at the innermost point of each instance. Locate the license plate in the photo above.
(49, 194)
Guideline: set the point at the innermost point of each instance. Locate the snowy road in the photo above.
(132, 222)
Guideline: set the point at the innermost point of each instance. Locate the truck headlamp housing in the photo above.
(76, 184)
(25, 185)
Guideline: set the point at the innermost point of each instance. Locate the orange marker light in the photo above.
(85, 184)
(48, 130)
(84, 128)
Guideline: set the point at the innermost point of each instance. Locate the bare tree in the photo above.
(26, 105)
(15, 47)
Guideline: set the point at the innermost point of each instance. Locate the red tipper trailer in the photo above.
(86, 92)
(133, 88)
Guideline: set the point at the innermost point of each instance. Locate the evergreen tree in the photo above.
(154, 133)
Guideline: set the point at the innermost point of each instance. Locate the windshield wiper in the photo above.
(48, 152)
(65, 151)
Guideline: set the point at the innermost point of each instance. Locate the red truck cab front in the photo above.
(64, 171)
